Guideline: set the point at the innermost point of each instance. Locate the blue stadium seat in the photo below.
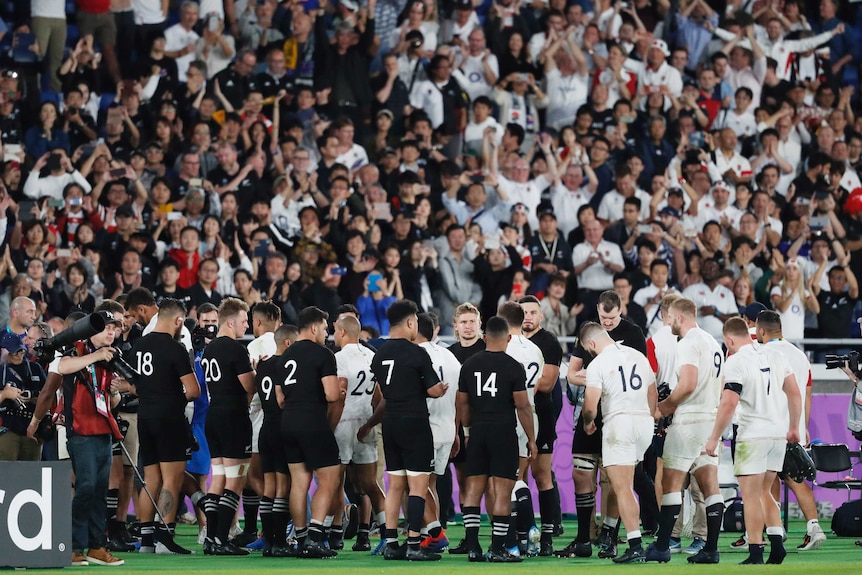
(106, 100)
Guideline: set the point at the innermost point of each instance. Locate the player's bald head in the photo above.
(592, 331)
(349, 325)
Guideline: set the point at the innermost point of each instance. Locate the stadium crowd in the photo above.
(593, 158)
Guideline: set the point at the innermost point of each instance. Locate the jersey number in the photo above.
(531, 380)
(358, 389)
(266, 387)
(291, 366)
(212, 370)
(716, 361)
(490, 384)
(765, 374)
(145, 363)
(635, 381)
(389, 364)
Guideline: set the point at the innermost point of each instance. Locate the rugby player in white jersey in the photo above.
(354, 373)
(623, 379)
(759, 386)
(769, 333)
(530, 357)
(441, 411)
(693, 404)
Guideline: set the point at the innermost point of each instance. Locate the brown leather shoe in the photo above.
(78, 559)
(102, 556)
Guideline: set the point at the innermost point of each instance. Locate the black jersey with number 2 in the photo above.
(303, 365)
(223, 361)
(161, 362)
(405, 374)
(269, 374)
(490, 379)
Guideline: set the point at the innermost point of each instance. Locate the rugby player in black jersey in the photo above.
(546, 412)
(311, 400)
(490, 391)
(274, 505)
(230, 381)
(166, 382)
(586, 449)
(406, 378)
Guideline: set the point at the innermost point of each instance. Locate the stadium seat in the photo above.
(835, 458)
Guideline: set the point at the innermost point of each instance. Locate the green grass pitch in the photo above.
(838, 556)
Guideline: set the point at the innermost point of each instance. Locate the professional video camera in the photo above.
(201, 333)
(84, 328)
(851, 360)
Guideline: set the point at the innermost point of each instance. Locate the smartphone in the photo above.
(262, 248)
(76, 201)
(59, 202)
(818, 222)
(383, 210)
(213, 23)
(195, 182)
(25, 210)
(118, 172)
(523, 77)
(821, 195)
(477, 178)
(373, 278)
(517, 290)
(64, 253)
(174, 216)
(339, 271)
(644, 228)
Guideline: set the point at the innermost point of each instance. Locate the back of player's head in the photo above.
(513, 313)
(347, 308)
(427, 323)
(139, 296)
(266, 311)
(769, 321)
(170, 307)
(609, 301)
(229, 308)
(735, 327)
(111, 306)
(401, 311)
(350, 325)
(529, 299)
(286, 332)
(497, 328)
(685, 307)
(465, 308)
(667, 301)
(311, 316)
(206, 308)
(590, 331)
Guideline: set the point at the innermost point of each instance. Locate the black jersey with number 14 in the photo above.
(303, 365)
(161, 362)
(490, 379)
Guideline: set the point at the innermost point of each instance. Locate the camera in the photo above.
(121, 367)
(200, 335)
(851, 360)
(72, 110)
(26, 394)
(84, 328)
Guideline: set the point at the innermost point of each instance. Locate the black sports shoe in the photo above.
(753, 561)
(244, 538)
(461, 549)
(704, 556)
(315, 550)
(116, 544)
(475, 555)
(546, 549)
(336, 543)
(208, 547)
(776, 556)
(420, 554)
(502, 556)
(631, 556)
(227, 550)
(351, 525)
(362, 545)
(653, 554)
(575, 549)
(279, 551)
(608, 551)
(398, 553)
(559, 529)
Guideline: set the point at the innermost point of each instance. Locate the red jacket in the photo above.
(94, 6)
(188, 275)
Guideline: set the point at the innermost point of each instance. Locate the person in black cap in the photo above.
(21, 380)
(549, 251)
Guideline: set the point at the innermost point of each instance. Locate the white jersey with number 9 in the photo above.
(700, 349)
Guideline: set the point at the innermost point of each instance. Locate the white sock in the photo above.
(610, 522)
(813, 526)
(327, 521)
(381, 519)
(633, 535)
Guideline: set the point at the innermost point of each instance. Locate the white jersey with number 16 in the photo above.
(624, 376)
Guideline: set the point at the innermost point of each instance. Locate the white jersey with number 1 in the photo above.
(441, 410)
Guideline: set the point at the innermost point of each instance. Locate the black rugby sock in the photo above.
(227, 506)
(250, 505)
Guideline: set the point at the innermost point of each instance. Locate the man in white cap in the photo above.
(658, 75)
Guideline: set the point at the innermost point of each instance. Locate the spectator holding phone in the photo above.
(375, 300)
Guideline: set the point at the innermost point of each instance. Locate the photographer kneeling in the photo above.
(90, 429)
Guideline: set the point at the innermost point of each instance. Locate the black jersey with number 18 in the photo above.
(161, 362)
(490, 379)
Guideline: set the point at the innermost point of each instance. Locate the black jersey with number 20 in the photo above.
(223, 361)
(490, 379)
